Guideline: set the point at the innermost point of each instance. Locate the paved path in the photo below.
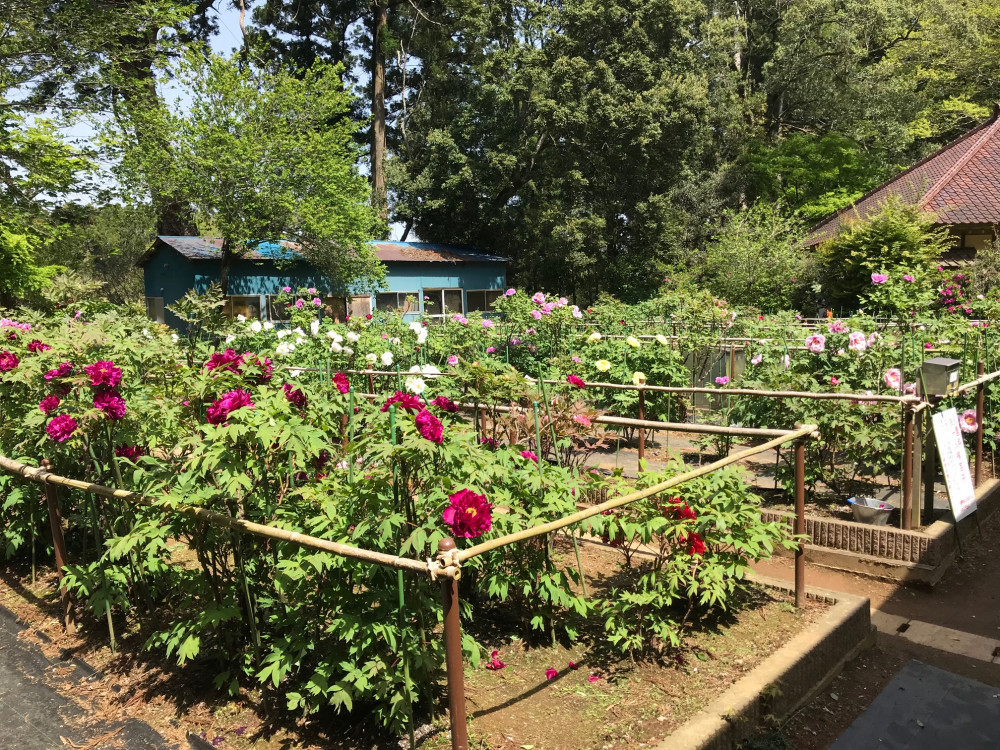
(926, 708)
(35, 716)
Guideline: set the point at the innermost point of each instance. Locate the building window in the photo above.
(396, 301)
(481, 300)
(154, 309)
(335, 308)
(246, 305)
(440, 302)
(277, 311)
(976, 241)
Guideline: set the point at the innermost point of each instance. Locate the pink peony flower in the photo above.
(490, 349)
(879, 278)
(452, 360)
(723, 380)
(111, 403)
(299, 304)
(219, 411)
(529, 455)
(816, 343)
(574, 380)
(908, 278)
(857, 341)
(837, 326)
(873, 337)
(60, 428)
(928, 345)
(550, 673)
(445, 404)
(756, 359)
(49, 403)
(104, 374)
(834, 380)
(341, 382)
(487, 323)
(295, 396)
(893, 378)
(593, 678)
(536, 314)
(968, 421)
(582, 419)
(286, 289)
(430, 427)
(510, 292)
(317, 302)
(8, 361)
(538, 298)
(468, 514)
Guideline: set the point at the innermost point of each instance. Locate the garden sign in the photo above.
(954, 463)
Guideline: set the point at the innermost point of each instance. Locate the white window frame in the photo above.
(400, 297)
(439, 303)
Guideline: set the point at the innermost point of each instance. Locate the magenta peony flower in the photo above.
(8, 361)
(341, 382)
(49, 403)
(430, 427)
(469, 515)
(286, 289)
(879, 278)
(403, 401)
(225, 361)
(37, 347)
(445, 404)
(723, 380)
(299, 304)
(495, 662)
(488, 442)
(103, 374)
(265, 365)
(574, 380)
(834, 380)
(60, 372)
(968, 421)
(510, 292)
(490, 349)
(131, 452)
(229, 402)
(317, 302)
(908, 278)
(295, 396)
(837, 326)
(111, 403)
(550, 673)
(529, 455)
(60, 428)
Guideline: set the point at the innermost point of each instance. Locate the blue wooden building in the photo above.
(422, 278)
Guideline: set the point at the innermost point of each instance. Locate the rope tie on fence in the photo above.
(447, 564)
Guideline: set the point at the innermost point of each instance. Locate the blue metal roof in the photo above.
(209, 248)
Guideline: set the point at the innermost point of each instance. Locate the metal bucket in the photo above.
(871, 511)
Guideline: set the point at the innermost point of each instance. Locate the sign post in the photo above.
(954, 464)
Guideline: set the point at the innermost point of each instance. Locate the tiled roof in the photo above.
(208, 248)
(959, 182)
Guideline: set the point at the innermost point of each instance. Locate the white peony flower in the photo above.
(353, 337)
(335, 347)
(602, 365)
(230, 338)
(294, 372)
(300, 340)
(299, 331)
(146, 333)
(314, 327)
(633, 342)
(422, 336)
(331, 334)
(386, 358)
(174, 337)
(348, 351)
(268, 325)
(282, 349)
(661, 339)
(283, 332)
(416, 326)
(370, 358)
(394, 341)
(256, 326)
(241, 318)
(595, 336)
(416, 385)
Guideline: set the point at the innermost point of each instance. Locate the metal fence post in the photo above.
(800, 522)
(907, 484)
(980, 414)
(642, 430)
(453, 655)
(59, 544)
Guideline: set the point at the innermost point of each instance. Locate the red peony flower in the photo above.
(404, 401)
(8, 361)
(103, 374)
(223, 361)
(37, 347)
(529, 455)
(684, 513)
(60, 428)
(265, 365)
(695, 544)
(131, 452)
(488, 442)
(343, 384)
(49, 403)
(111, 403)
(430, 427)
(229, 402)
(445, 404)
(60, 372)
(295, 396)
(574, 380)
(495, 662)
(468, 514)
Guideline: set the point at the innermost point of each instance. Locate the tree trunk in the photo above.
(226, 263)
(379, 196)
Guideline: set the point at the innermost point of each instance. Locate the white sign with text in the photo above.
(954, 463)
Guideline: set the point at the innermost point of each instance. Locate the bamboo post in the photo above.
(800, 523)
(371, 384)
(905, 511)
(930, 469)
(453, 652)
(59, 544)
(980, 414)
(642, 430)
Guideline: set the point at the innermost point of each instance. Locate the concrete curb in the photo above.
(920, 557)
(785, 681)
